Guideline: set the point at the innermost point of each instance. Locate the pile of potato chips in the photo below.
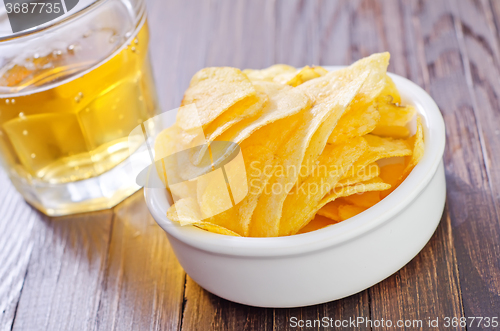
(315, 147)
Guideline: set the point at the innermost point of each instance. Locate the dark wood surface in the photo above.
(115, 270)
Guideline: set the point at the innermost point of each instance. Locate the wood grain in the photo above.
(62, 285)
(17, 220)
(143, 284)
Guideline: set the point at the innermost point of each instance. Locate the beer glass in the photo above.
(71, 91)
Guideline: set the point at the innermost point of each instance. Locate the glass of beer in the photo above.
(71, 91)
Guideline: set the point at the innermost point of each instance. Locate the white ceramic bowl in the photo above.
(330, 263)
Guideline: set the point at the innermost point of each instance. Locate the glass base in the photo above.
(96, 193)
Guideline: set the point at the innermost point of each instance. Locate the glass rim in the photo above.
(58, 23)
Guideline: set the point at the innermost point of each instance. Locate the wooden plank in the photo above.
(64, 273)
(143, 284)
(205, 311)
(17, 220)
(477, 236)
(471, 207)
(297, 32)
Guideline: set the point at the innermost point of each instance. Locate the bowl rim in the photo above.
(394, 203)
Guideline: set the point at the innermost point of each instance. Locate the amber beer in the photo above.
(64, 119)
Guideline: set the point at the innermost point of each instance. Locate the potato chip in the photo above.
(265, 220)
(362, 174)
(216, 229)
(394, 115)
(391, 174)
(321, 88)
(331, 210)
(296, 78)
(269, 73)
(248, 109)
(333, 163)
(166, 144)
(391, 131)
(213, 91)
(283, 102)
(312, 145)
(185, 212)
(390, 90)
(213, 194)
(319, 222)
(320, 137)
(355, 123)
(348, 211)
(379, 148)
(375, 184)
(418, 148)
(366, 199)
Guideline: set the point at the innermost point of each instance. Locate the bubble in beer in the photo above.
(71, 48)
(87, 34)
(33, 155)
(133, 49)
(7, 101)
(25, 132)
(21, 115)
(36, 56)
(12, 101)
(136, 41)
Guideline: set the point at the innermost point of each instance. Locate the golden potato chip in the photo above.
(391, 131)
(213, 193)
(320, 70)
(321, 88)
(391, 90)
(333, 162)
(365, 199)
(355, 123)
(348, 211)
(216, 229)
(284, 101)
(269, 73)
(320, 138)
(418, 148)
(394, 115)
(319, 222)
(296, 78)
(310, 143)
(167, 144)
(375, 184)
(185, 212)
(331, 210)
(362, 174)
(379, 148)
(248, 109)
(391, 174)
(213, 91)
(265, 220)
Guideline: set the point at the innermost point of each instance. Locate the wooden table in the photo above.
(115, 270)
